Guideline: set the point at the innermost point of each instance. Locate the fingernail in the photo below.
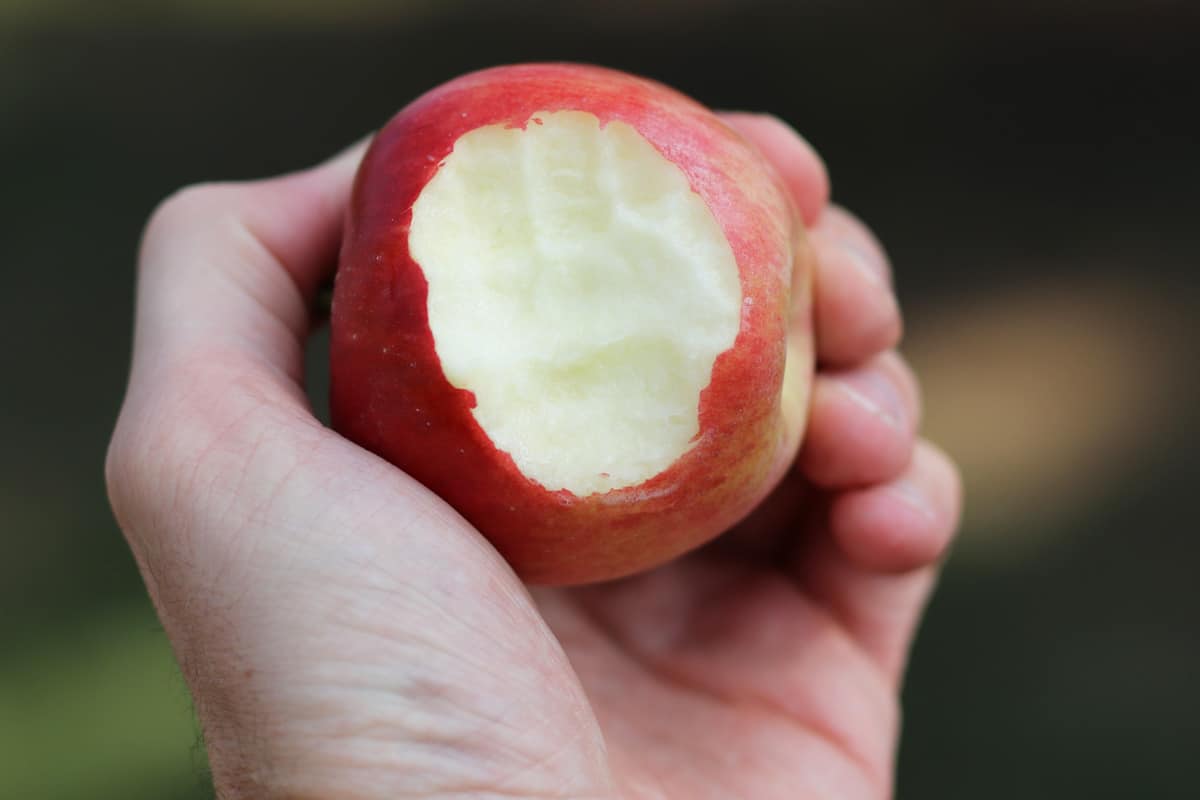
(874, 391)
(869, 266)
(911, 495)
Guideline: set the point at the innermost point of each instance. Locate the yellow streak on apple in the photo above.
(582, 291)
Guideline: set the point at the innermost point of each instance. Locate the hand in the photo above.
(346, 635)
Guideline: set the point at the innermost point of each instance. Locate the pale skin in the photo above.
(346, 635)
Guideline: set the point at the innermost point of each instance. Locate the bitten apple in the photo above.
(563, 304)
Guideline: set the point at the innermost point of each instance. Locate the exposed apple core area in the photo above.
(581, 290)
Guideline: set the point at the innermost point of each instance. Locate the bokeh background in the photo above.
(1031, 165)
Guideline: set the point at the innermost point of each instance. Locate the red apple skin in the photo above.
(389, 393)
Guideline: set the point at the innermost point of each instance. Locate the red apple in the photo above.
(562, 304)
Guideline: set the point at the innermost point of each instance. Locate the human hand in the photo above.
(346, 634)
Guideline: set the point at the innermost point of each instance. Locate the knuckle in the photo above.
(946, 478)
(138, 471)
(183, 208)
(196, 435)
(184, 202)
(844, 224)
(954, 479)
(906, 379)
(142, 480)
(885, 331)
(118, 474)
(148, 454)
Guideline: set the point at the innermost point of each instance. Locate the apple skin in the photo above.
(389, 393)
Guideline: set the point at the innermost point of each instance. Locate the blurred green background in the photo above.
(1032, 167)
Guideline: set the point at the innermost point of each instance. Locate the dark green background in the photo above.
(1032, 167)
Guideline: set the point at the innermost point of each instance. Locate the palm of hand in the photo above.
(711, 680)
(751, 669)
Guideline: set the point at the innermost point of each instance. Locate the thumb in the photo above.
(239, 263)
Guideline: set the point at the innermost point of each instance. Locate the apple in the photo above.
(562, 304)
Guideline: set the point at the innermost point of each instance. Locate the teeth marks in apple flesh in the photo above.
(581, 290)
